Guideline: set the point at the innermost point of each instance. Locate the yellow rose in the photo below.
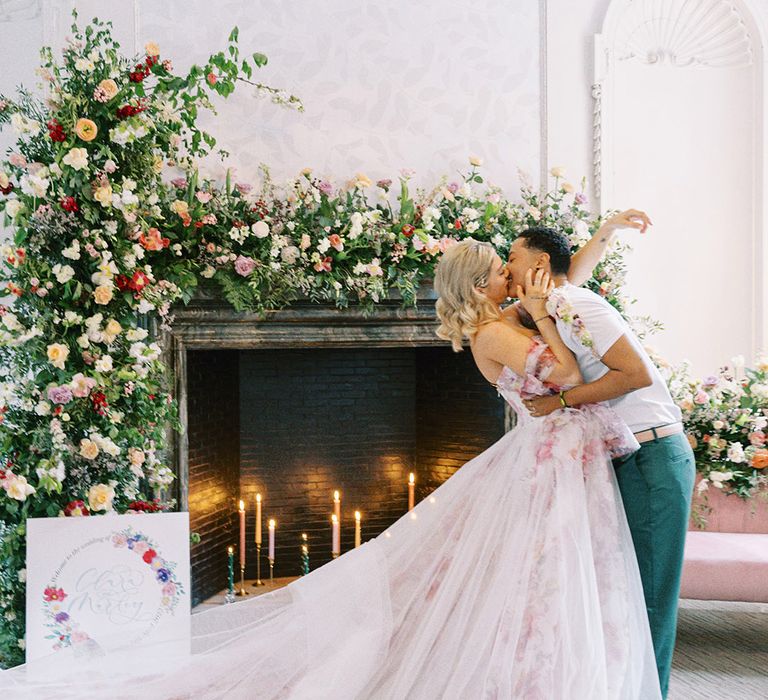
(103, 195)
(109, 87)
(474, 160)
(86, 129)
(113, 328)
(152, 48)
(88, 449)
(102, 295)
(306, 172)
(100, 497)
(557, 171)
(567, 187)
(4, 181)
(157, 164)
(180, 207)
(362, 180)
(58, 354)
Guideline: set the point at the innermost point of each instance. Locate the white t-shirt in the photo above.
(644, 408)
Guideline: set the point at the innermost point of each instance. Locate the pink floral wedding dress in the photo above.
(515, 579)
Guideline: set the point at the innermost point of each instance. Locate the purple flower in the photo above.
(453, 188)
(62, 617)
(580, 198)
(163, 575)
(243, 187)
(325, 187)
(711, 380)
(244, 266)
(179, 182)
(59, 394)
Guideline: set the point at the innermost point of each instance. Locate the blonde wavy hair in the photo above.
(462, 309)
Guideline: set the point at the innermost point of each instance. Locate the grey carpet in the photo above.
(721, 652)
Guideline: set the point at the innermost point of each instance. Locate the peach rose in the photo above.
(152, 48)
(760, 459)
(109, 87)
(102, 295)
(89, 449)
(86, 129)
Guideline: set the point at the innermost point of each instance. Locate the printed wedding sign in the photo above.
(103, 582)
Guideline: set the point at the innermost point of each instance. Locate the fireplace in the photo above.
(308, 401)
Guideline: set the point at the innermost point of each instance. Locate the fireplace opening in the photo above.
(297, 424)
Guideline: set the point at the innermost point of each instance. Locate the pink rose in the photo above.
(140, 547)
(244, 266)
(701, 397)
(757, 438)
(203, 197)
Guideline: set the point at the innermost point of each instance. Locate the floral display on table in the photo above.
(726, 420)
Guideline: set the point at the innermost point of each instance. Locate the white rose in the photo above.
(104, 364)
(323, 245)
(736, 453)
(260, 229)
(77, 158)
(88, 449)
(85, 65)
(718, 425)
(73, 252)
(135, 334)
(100, 497)
(13, 207)
(63, 273)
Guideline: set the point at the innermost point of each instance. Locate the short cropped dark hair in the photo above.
(548, 240)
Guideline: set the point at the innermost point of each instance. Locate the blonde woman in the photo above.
(515, 579)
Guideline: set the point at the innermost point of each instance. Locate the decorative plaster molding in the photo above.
(682, 33)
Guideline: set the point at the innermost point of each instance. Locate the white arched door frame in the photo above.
(754, 23)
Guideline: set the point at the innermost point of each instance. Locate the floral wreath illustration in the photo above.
(66, 631)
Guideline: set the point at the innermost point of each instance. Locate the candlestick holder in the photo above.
(271, 569)
(258, 581)
(241, 591)
(229, 597)
(335, 555)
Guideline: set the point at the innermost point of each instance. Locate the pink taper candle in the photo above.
(242, 534)
(271, 539)
(411, 491)
(258, 518)
(335, 535)
(357, 528)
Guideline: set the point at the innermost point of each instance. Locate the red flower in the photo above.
(211, 78)
(51, 594)
(149, 555)
(7, 190)
(69, 204)
(131, 110)
(151, 60)
(457, 225)
(407, 230)
(138, 281)
(100, 404)
(75, 509)
(139, 73)
(56, 131)
(122, 282)
(324, 265)
(145, 506)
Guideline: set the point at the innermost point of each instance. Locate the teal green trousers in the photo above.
(656, 486)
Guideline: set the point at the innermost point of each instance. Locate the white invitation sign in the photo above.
(98, 583)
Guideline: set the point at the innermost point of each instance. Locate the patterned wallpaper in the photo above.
(418, 85)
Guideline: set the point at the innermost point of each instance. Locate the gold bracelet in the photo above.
(563, 402)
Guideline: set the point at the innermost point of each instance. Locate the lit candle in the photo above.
(411, 491)
(271, 539)
(337, 505)
(357, 528)
(335, 535)
(242, 534)
(258, 518)
(231, 570)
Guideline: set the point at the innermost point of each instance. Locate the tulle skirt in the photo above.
(515, 579)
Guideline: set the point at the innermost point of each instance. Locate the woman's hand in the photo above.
(534, 297)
